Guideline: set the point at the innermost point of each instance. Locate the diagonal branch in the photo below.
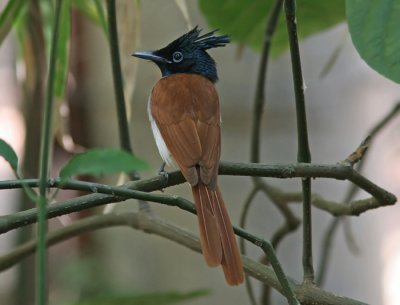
(306, 294)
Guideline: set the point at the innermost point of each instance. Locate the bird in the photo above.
(185, 118)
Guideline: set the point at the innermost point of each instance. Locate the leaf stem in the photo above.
(303, 153)
(45, 159)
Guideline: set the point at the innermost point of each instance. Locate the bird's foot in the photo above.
(162, 171)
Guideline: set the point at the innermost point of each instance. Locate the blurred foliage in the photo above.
(16, 14)
(9, 16)
(245, 20)
(373, 26)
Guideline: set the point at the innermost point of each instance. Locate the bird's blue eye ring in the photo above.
(177, 56)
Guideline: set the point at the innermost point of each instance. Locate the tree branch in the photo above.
(306, 170)
(303, 149)
(306, 294)
(281, 171)
(351, 192)
(138, 189)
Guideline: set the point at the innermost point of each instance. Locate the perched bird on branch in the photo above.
(185, 118)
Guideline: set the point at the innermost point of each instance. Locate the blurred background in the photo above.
(342, 106)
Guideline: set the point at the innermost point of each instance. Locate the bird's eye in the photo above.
(177, 57)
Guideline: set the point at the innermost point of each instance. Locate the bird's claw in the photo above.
(162, 171)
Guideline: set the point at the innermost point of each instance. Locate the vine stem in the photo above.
(259, 100)
(123, 125)
(303, 153)
(259, 103)
(45, 159)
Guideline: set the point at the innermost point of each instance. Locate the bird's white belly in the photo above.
(162, 147)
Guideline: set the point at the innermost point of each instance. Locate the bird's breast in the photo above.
(181, 96)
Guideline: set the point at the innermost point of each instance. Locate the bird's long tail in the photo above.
(217, 239)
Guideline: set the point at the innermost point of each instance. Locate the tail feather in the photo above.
(208, 226)
(231, 262)
(217, 239)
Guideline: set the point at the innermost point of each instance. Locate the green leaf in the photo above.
(64, 35)
(245, 20)
(374, 29)
(9, 154)
(9, 16)
(147, 299)
(102, 161)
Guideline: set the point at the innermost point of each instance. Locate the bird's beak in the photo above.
(151, 56)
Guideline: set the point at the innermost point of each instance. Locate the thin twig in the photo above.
(242, 223)
(45, 159)
(357, 155)
(123, 125)
(306, 170)
(273, 259)
(259, 104)
(244, 212)
(291, 221)
(351, 192)
(259, 100)
(303, 153)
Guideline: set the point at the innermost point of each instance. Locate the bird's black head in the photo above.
(187, 54)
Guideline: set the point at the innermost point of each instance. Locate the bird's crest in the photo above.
(192, 39)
